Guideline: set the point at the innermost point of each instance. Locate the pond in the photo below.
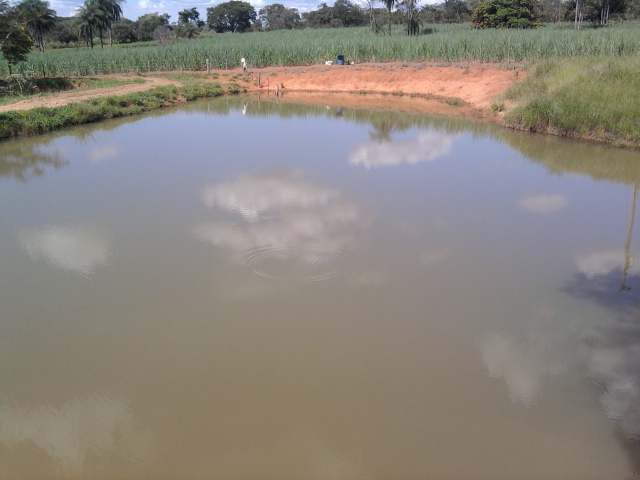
(241, 288)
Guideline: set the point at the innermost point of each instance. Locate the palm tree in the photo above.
(389, 4)
(38, 18)
(113, 10)
(91, 19)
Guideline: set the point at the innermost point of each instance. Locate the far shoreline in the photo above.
(466, 89)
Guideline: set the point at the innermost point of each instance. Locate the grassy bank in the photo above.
(18, 87)
(41, 120)
(439, 43)
(592, 98)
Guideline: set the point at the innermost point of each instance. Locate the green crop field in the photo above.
(444, 43)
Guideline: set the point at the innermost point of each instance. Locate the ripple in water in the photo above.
(295, 266)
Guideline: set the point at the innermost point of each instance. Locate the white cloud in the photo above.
(79, 248)
(544, 203)
(426, 146)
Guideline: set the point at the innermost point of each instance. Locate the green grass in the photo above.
(41, 120)
(595, 98)
(447, 43)
(50, 86)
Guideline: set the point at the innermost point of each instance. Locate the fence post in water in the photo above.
(277, 90)
(259, 79)
(208, 66)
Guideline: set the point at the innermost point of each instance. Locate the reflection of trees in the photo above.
(562, 156)
(604, 289)
(23, 160)
(614, 346)
(384, 122)
(604, 275)
(382, 128)
(628, 259)
(613, 364)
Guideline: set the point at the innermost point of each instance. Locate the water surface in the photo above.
(244, 289)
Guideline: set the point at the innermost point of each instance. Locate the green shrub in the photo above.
(590, 98)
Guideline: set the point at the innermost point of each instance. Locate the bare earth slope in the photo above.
(476, 84)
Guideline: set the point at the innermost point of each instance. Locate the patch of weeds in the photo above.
(497, 107)
(234, 88)
(454, 102)
(508, 66)
(398, 93)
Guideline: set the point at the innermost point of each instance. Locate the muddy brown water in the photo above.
(245, 289)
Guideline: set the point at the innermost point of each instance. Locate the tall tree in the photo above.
(505, 14)
(38, 18)
(189, 23)
(113, 11)
(278, 17)
(455, 11)
(189, 16)
(91, 19)
(410, 11)
(63, 31)
(351, 15)
(148, 23)
(370, 6)
(232, 16)
(389, 4)
(15, 42)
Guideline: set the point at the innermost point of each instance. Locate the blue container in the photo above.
(340, 59)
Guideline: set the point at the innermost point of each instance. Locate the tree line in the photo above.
(29, 23)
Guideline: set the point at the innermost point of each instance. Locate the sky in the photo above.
(135, 8)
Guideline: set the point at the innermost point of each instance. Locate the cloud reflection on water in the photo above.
(87, 427)
(285, 218)
(614, 364)
(425, 147)
(523, 360)
(104, 152)
(76, 248)
(600, 262)
(544, 203)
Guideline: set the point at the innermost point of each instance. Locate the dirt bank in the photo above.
(460, 89)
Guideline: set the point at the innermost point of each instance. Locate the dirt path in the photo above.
(475, 84)
(75, 96)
